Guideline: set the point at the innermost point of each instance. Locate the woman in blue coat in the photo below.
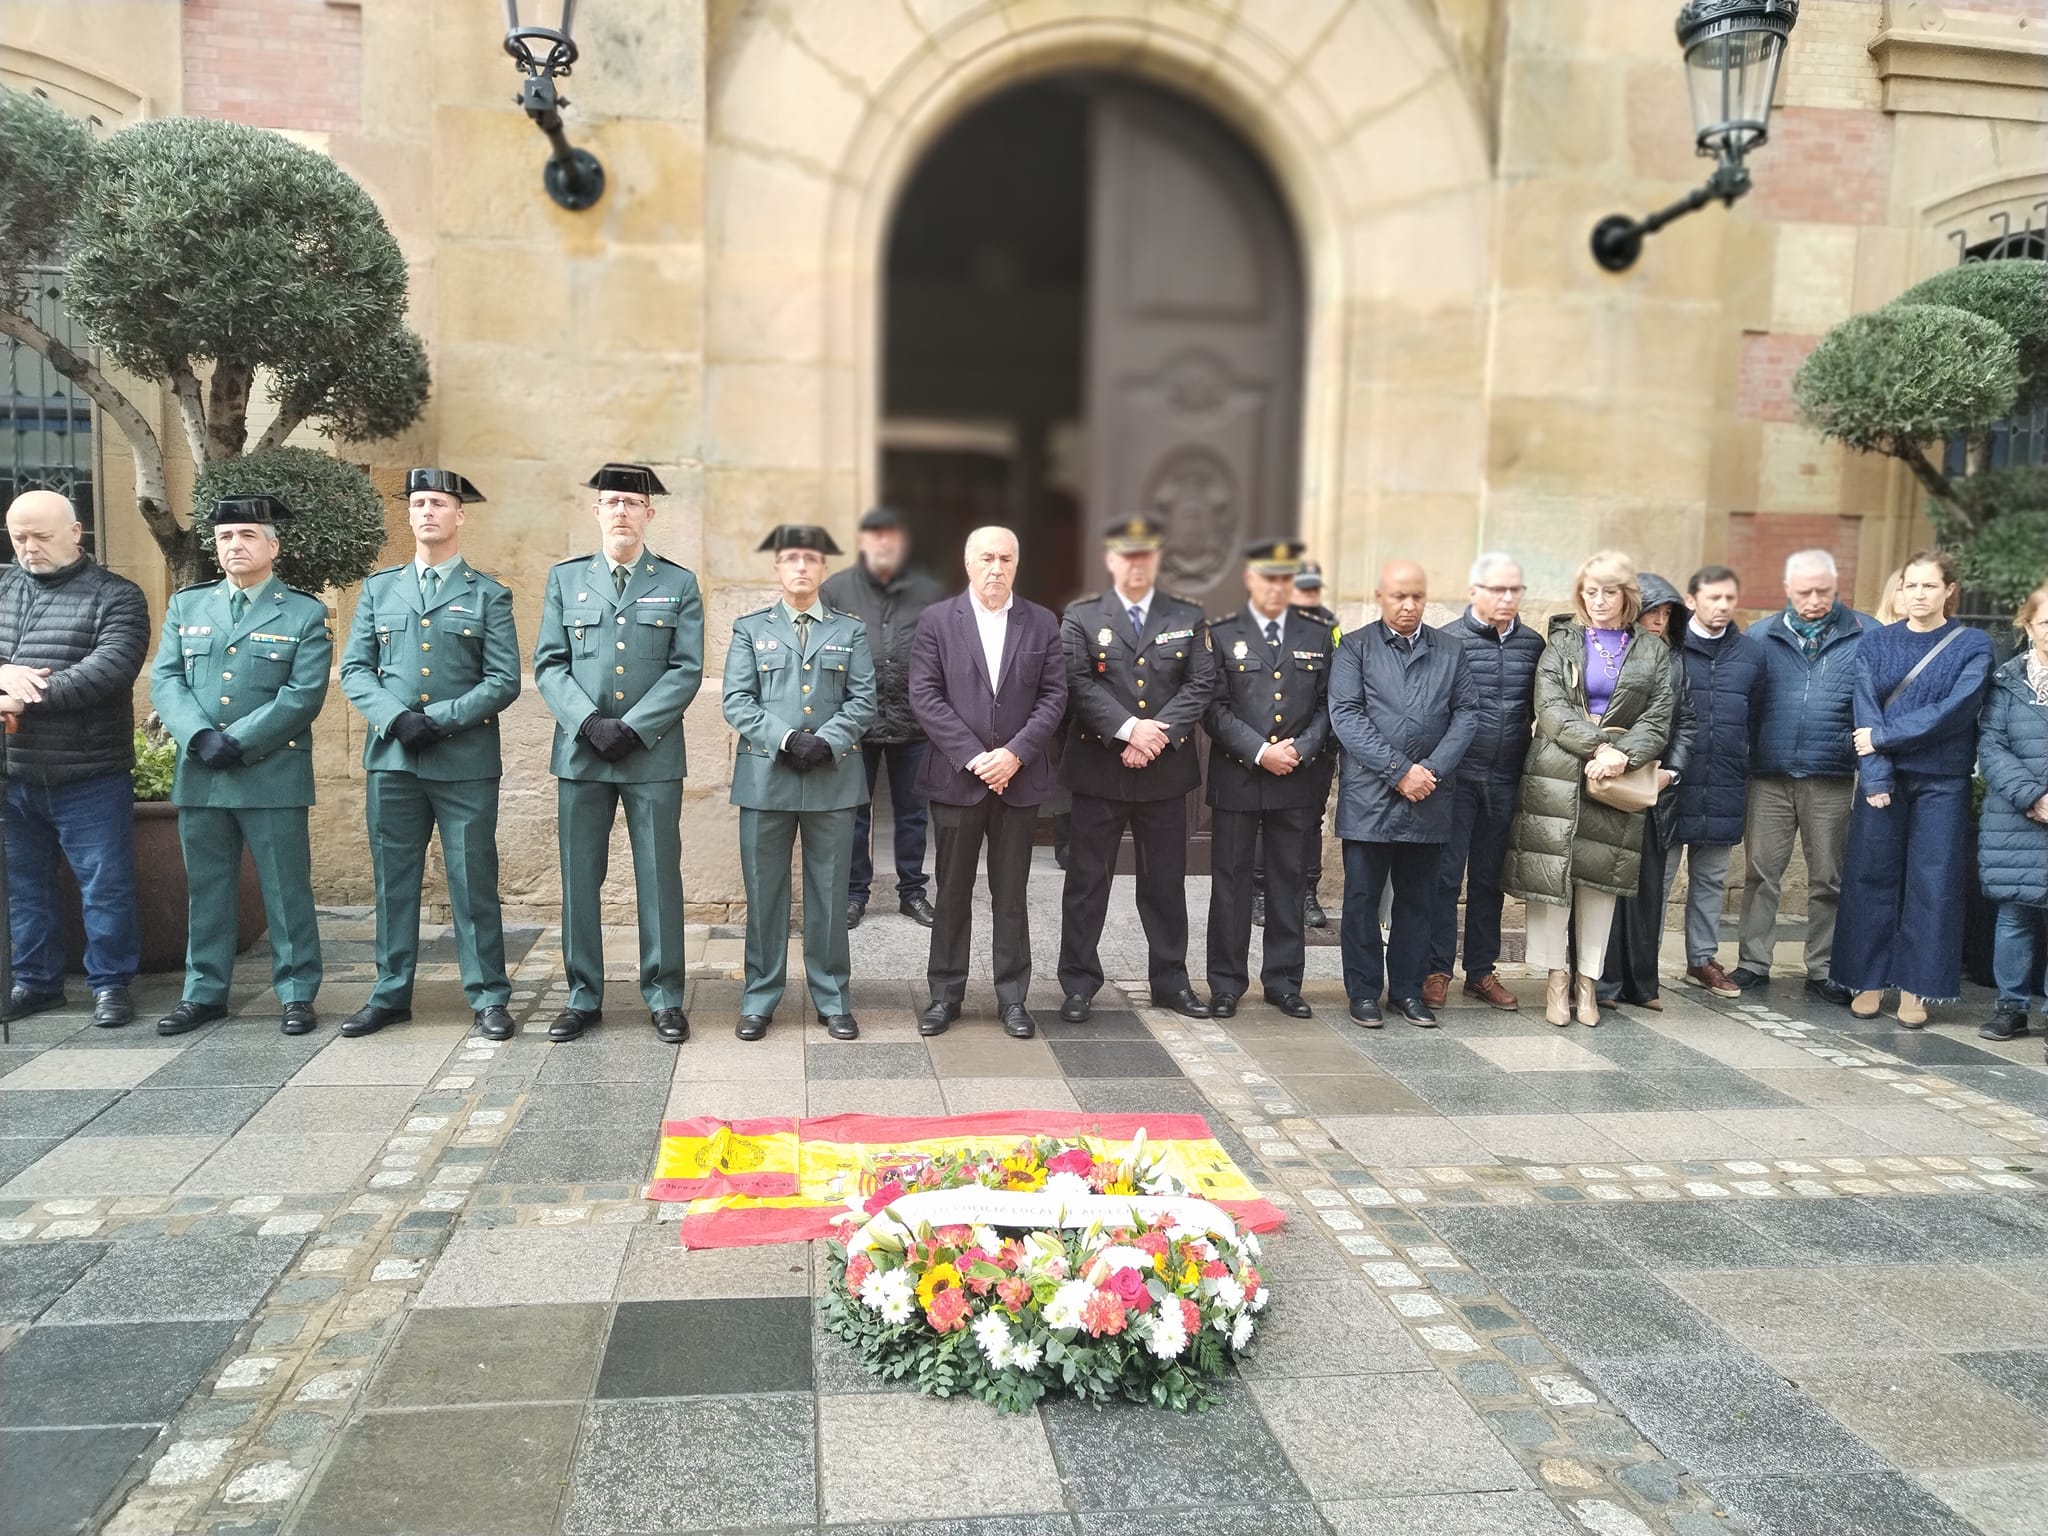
(2012, 837)
(1919, 685)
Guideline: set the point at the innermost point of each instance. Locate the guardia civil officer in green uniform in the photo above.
(241, 672)
(1139, 676)
(619, 658)
(431, 661)
(800, 690)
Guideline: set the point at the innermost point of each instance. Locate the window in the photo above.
(46, 429)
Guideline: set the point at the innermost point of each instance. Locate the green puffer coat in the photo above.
(1562, 836)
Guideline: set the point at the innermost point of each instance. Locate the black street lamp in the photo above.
(1733, 49)
(572, 176)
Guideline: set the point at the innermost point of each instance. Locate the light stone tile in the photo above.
(410, 1056)
(1539, 1053)
(1539, 1138)
(727, 1098)
(1405, 1141)
(62, 1067)
(971, 1460)
(292, 1165)
(111, 1165)
(1364, 1437)
(527, 1266)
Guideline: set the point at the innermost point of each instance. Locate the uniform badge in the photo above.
(1103, 636)
(769, 645)
(1240, 650)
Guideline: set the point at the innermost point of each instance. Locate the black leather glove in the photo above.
(216, 749)
(610, 739)
(787, 756)
(810, 750)
(413, 729)
(625, 742)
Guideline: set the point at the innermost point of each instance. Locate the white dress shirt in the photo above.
(993, 628)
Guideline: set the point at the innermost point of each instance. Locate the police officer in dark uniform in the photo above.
(1308, 598)
(1139, 676)
(1271, 728)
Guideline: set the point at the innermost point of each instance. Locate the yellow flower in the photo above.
(1023, 1172)
(933, 1278)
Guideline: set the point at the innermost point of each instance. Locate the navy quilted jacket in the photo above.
(1805, 725)
(2012, 752)
(1730, 687)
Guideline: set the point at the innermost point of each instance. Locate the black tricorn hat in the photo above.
(1273, 557)
(268, 511)
(635, 479)
(880, 517)
(799, 536)
(445, 481)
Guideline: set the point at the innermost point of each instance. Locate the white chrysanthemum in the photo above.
(876, 1288)
(896, 1309)
(1230, 1291)
(1119, 1256)
(1168, 1334)
(1026, 1357)
(986, 1240)
(1064, 1310)
(1241, 1331)
(993, 1335)
(1258, 1301)
(1067, 1186)
(1249, 1241)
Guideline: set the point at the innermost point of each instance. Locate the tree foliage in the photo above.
(2012, 295)
(337, 527)
(45, 158)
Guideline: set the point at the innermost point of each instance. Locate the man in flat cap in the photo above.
(241, 672)
(888, 596)
(1271, 727)
(619, 657)
(432, 660)
(1139, 677)
(800, 690)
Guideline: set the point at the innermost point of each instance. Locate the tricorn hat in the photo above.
(445, 481)
(267, 511)
(635, 479)
(799, 536)
(1309, 578)
(880, 517)
(1273, 557)
(1139, 535)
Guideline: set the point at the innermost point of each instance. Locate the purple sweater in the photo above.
(1599, 675)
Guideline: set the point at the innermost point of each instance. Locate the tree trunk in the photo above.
(227, 410)
(1937, 484)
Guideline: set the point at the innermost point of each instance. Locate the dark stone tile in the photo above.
(1836, 1231)
(57, 1479)
(180, 1112)
(182, 1279)
(624, 1050)
(1328, 1328)
(1925, 1048)
(756, 1455)
(1683, 1234)
(1103, 1024)
(986, 1525)
(843, 1060)
(1711, 1088)
(1137, 1095)
(1875, 1503)
(1590, 1093)
(19, 1152)
(110, 1373)
(1730, 1414)
(1296, 1252)
(2019, 1373)
(697, 1348)
(1132, 1456)
(1592, 1315)
(1216, 1520)
(2008, 1083)
(593, 1106)
(445, 1472)
(240, 1056)
(465, 1355)
(1113, 1058)
(33, 1276)
(1372, 1093)
(1502, 1239)
(1971, 1229)
(51, 1111)
(574, 1157)
(1481, 1093)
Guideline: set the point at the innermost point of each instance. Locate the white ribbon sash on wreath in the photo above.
(1028, 1210)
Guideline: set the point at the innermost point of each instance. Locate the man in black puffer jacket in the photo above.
(72, 640)
(1501, 654)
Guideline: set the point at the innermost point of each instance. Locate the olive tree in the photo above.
(213, 260)
(1946, 362)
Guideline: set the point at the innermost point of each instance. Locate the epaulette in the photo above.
(664, 559)
(1185, 602)
(389, 570)
(760, 613)
(1225, 618)
(487, 576)
(304, 593)
(572, 560)
(200, 586)
(1086, 597)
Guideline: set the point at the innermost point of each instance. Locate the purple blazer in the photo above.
(963, 714)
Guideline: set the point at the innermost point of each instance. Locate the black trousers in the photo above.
(1482, 812)
(1159, 833)
(1311, 851)
(1633, 942)
(1232, 836)
(1400, 963)
(909, 810)
(960, 831)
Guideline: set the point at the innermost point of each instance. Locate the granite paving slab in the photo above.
(2020, 1373)
(626, 1050)
(1975, 1229)
(1113, 1058)
(875, 1096)
(1403, 1141)
(51, 1111)
(1506, 1239)
(972, 1095)
(1293, 1254)
(63, 1067)
(1671, 1135)
(1137, 1096)
(1000, 1525)
(1718, 1087)
(58, 1479)
(1354, 1094)
(1785, 1315)
(410, 1056)
(1872, 1503)
(844, 1059)
(1930, 1048)
(244, 1057)
(1800, 1131)
(610, 1154)
(19, 1152)
(727, 1098)
(1611, 1315)
(715, 1052)
(2025, 1086)
(955, 1055)
(304, 1163)
(970, 1461)
(593, 1106)
(526, 1266)
(1540, 1138)
(1552, 1052)
(111, 1165)
(1352, 1437)
(1952, 1307)
(457, 1356)
(1127, 1456)
(1734, 1045)
(1682, 1234)
(1607, 1092)
(658, 1268)
(191, 1278)
(1216, 1520)
(1924, 1411)
(1833, 1232)
(1998, 1501)
(445, 1472)
(1449, 1514)
(179, 1112)
(1103, 1024)
(300, 1111)
(753, 1456)
(1482, 1093)
(1829, 1089)
(1329, 1328)
(1918, 1129)
(739, 1345)
(106, 1373)
(32, 1276)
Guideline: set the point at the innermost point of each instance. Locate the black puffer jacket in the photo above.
(1677, 754)
(91, 629)
(1729, 684)
(1503, 674)
(890, 610)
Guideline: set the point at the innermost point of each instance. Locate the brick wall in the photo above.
(1763, 379)
(1759, 542)
(275, 63)
(1825, 165)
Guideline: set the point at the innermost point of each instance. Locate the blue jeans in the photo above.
(92, 824)
(2017, 944)
(911, 815)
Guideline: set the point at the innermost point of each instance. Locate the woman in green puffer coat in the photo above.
(1605, 703)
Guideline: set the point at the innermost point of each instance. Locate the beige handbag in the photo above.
(1635, 790)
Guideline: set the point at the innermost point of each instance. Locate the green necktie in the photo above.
(620, 576)
(238, 604)
(803, 632)
(430, 586)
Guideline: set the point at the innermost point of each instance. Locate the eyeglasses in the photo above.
(616, 503)
(1502, 591)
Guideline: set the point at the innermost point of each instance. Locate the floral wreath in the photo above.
(1051, 1267)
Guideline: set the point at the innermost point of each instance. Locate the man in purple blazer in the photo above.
(988, 685)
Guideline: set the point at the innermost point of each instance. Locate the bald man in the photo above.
(1404, 710)
(72, 639)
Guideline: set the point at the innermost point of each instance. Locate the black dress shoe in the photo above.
(571, 1022)
(1184, 1002)
(672, 1024)
(23, 1001)
(936, 1017)
(1313, 914)
(1829, 990)
(1075, 1008)
(112, 1007)
(918, 910)
(1222, 1005)
(1017, 1022)
(1415, 1011)
(855, 911)
(494, 1022)
(299, 1018)
(189, 1015)
(369, 1019)
(1293, 1004)
(1366, 1012)
(752, 1026)
(842, 1026)
(1749, 980)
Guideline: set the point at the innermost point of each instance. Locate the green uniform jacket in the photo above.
(771, 687)
(638, 658)
(262, 681)
(456, 662)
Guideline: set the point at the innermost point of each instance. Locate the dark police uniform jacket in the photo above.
(1265, 695)
(1166, 674)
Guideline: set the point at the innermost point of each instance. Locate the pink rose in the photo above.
(1129, 1286)
(1074, 1160)
(884, 1197)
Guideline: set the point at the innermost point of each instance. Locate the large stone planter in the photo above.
(161, 895)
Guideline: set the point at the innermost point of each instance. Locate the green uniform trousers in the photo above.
(279, 846)
(585, 809)
(765, 838)
(404, 810)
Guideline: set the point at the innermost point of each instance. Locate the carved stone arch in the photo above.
(105, 103)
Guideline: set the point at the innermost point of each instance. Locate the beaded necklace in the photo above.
(1612, 658)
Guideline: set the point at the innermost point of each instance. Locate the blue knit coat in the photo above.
(2012, 751)
(1931, 728)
